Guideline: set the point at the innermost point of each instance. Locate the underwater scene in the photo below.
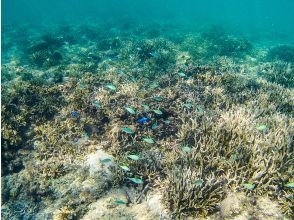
(147, 110)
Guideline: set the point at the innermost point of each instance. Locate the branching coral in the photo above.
(159, 54)
(108, 44)
(283, 53)
(218, 42)
(190, 120)
(278, 72)
(192, 189)
(23, 105)
(44, 53)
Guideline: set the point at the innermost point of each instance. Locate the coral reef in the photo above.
(283, 53)
(278, 72)
(188, 120)
(23, 105)
(220, 43)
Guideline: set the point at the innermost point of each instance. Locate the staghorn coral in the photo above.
(24, 104)
(215, 124)
(283, 53)
(109, 44)
(236, 157)
(278, 72)
(218, 42)
(158, 54)
(44, 53)
(185, 197)
(46, 42)
(63, 214)
(46, 58)
(234, 144)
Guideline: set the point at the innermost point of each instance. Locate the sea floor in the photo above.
(154, 121)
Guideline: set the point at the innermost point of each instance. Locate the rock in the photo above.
(233, 205)
(267, 209)
(238, 206)
(95, 162)
(155, 206)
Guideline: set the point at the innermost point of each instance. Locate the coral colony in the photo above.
(195, 117)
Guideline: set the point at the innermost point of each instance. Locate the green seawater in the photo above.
(109, 105)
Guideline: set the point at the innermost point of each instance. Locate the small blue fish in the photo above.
(143, 120)
(74, 114)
